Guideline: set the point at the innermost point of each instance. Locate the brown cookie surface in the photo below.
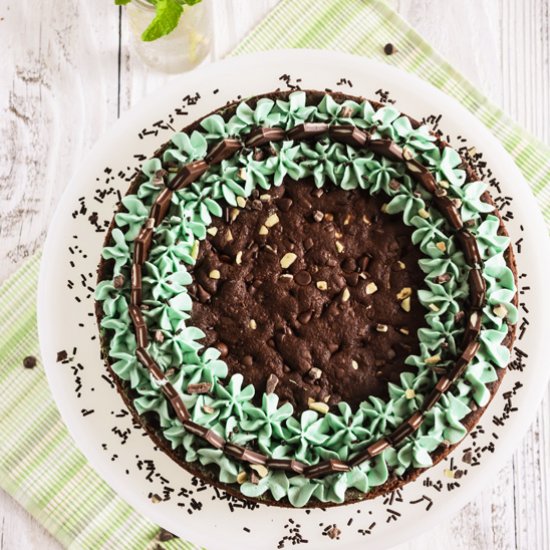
(308, 285)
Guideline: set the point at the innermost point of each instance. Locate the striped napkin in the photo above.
(39, 464)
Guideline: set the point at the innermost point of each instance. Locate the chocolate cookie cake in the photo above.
(307, 298)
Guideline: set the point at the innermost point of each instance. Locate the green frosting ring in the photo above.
(310, 437)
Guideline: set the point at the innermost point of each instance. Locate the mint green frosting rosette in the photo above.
(273, 428)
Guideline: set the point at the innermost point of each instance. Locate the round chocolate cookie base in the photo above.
(209, 473)
(318, 285)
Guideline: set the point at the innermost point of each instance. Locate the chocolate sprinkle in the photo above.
(29, 362)
(164, 535)
(390, 49)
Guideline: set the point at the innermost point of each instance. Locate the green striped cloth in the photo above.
(39, 464)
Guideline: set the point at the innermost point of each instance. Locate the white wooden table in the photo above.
(67, 74)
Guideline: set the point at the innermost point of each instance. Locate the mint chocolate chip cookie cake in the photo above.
(307, 298)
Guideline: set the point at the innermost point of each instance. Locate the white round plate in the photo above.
(94, 412)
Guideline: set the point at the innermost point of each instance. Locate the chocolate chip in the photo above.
(338, 282)
(61, 356)
(248, 361)
(308, 244)
(444, 278)
(258, 154)
(284, 204)
(317, 193)
(364, 263)
(393, 247)
(305, 317)
(254, 478)
(222, 348)
(334, 399)
(202, 295)
(118, 281)
(395, 185)
(164, 535)
(352, 279)
(256, 204)
(349, 265)
(29, 362)
(303, 278)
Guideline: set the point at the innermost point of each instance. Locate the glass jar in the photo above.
(181, 50)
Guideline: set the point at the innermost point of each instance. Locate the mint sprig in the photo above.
(167, 16)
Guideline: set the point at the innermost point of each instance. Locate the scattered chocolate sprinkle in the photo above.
(61, 356)
(164, 536)
(29, 362)
(390, 49)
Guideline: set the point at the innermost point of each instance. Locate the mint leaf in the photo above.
(122, 2)
(166, 19)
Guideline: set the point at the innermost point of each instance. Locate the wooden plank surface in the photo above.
(64, 81)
